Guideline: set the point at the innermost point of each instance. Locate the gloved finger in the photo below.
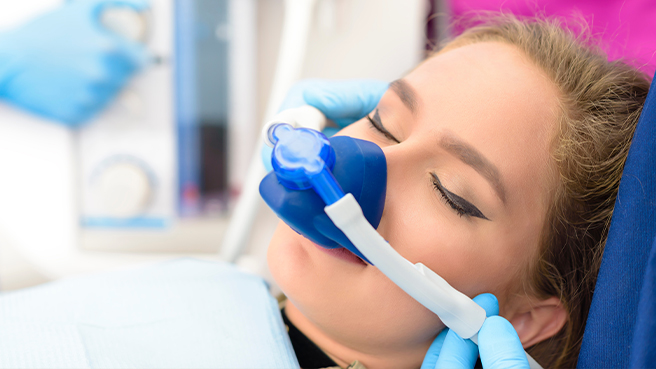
(347, 101)
(433, 353)
(457, 353)
(488, 302)
(453, 350)
(500, 346)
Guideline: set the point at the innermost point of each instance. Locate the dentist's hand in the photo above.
(65, 65)
(342, 101)
(499, 345)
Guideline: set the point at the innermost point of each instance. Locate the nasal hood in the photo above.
(360, 168)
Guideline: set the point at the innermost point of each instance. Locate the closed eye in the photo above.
(457, 203)
(378, 125)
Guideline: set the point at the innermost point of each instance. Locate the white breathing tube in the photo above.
(456, 310)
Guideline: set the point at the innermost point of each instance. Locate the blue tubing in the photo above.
(326, 186)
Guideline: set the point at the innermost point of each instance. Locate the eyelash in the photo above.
(460, 211)
(384, 133)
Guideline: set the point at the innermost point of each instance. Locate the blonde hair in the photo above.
(601, 102)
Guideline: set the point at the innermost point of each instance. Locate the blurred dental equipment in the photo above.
(161, 155)
(303, 162)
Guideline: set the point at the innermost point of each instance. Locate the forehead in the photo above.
(492, 96)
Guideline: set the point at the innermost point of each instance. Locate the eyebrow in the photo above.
(470, 156)
(406, 93)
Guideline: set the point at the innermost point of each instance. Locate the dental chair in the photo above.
(621, 324)
(191, 313)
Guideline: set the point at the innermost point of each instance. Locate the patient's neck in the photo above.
(344, 355)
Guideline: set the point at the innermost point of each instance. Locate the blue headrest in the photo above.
(622, 320)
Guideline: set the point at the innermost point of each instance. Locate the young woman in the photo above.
(504, 152)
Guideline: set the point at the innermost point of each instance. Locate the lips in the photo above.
(342, 254)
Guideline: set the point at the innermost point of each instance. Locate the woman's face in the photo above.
(466, 136)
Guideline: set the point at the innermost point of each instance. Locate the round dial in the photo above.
(123, 189)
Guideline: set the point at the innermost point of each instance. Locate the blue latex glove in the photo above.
(499, 345)
(65, 65)
(342, 101)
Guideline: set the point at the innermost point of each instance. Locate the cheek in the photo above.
(474, 257)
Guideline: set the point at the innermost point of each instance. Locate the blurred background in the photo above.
(156, 173)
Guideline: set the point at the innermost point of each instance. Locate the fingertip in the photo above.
(498, 335)
(498, 325)
(488, 302)
(380, 87)
(375, 91)
(500, 346)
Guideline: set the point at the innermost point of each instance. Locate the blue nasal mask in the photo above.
(312, 171)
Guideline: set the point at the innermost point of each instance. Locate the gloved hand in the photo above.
(498, 344)
(65, 65)
(342, 101)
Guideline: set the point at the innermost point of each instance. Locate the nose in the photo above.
(403, 177)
